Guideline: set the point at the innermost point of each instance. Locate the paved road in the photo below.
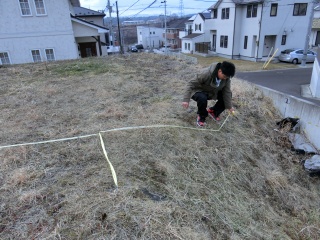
(288, 81)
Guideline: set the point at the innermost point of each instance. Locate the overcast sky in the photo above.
(138, 8)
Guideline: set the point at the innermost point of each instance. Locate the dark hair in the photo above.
(228, 69)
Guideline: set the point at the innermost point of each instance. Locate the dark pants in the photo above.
(202, 102)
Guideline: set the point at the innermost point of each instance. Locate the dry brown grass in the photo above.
(242, 182)
(243, 65)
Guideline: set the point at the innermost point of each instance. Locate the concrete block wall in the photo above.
(290, 106)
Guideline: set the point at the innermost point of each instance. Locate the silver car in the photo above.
(294, 55)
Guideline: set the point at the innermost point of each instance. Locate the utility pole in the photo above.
(165, 26)
(306, 44)
(110, 23)
(120, 41)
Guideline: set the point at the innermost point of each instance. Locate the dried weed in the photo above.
(237, 183)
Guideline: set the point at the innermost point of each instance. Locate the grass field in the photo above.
(175, 181)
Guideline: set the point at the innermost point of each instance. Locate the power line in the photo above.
(130, 7)
(145, 8)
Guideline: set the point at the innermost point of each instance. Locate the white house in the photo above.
(315, 33)
(253, 29)
(197, 34)
(44, 30)
(150, 37)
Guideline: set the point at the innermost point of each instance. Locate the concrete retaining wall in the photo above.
(290, 106)
(315, 78)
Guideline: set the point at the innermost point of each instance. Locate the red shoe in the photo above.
(201, 122)
(211, 114)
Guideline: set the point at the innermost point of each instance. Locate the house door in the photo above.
(269, 43)
(317, 39)
(254, 46)
(214, 42)
(88, 49)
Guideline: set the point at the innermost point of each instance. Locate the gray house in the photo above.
(44, 30)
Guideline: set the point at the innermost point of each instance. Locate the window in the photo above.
(4, 58)
(40, 9)
(25, 8)
(224, 41)
(245, 42)
(300, 9)
(196, 27)
(200, 27)
(283, 39)
(214, 13)
(185, 46)
(252, 10)
(225, 13)
(50, 55)
(36, 55)
(274, 9)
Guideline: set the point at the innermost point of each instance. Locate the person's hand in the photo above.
(232, 111)
(185, 104)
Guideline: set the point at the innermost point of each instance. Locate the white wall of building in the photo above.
(246, 27)
(21, 34)
(225, 27)
(150, 37)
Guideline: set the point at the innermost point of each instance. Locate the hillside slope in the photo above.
(237, 182)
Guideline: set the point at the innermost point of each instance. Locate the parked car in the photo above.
(134, 49)
(139, 46)
(294, 55)
(163, 49)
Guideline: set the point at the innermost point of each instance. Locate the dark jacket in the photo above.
(206, 82)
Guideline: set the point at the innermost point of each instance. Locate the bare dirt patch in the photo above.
(241, 182)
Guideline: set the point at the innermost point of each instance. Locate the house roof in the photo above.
(240, 2)
(247, 1)
(75, 3)
(193, 35)
(177, 23)
(192, 18)
(84, 12)
(89, 24)
(205, 15)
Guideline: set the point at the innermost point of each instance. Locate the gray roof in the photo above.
(192, 35)
(247, 1)
(177, 23)
(84, 12)
(205, 15)
(89, 23)
(244, 2)
(75, 3)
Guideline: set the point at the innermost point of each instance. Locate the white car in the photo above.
(294, 55)
(163, 49)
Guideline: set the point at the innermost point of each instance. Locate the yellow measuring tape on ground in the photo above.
(114, 175)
